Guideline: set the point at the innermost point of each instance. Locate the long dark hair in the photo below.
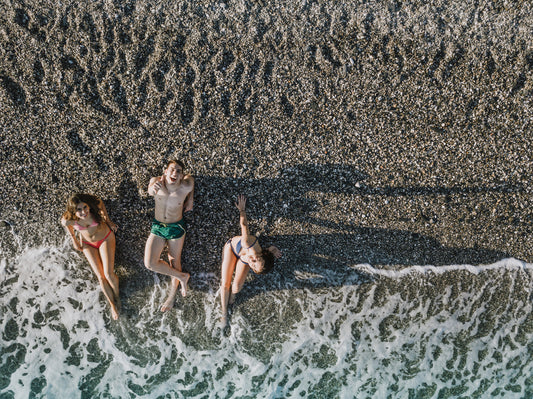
(268, 257)
(91, 200)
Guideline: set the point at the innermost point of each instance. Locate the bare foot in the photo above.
(184, 285)
(114, 312)
(169, 303)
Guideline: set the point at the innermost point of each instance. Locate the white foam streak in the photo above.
(364, 339)
(508, 264)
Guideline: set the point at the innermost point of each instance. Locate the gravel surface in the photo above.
(382, 132)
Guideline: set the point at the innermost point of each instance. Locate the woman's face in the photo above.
(82, 210)
(256, 262)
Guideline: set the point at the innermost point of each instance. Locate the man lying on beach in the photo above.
(173, 194)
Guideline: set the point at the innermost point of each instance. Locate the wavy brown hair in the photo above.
(91, 200)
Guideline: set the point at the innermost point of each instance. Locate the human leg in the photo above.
(107, 255)
(152, 260)
(241, 271)
(175, 248)
(228, 266)
(93, 257)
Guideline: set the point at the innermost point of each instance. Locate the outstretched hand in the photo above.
(275, 251)
(241, 203)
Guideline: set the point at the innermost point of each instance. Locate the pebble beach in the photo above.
(398, 119)
(386, 133)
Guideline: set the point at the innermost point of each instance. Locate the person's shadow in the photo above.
(285, 194)
(332, 259)
(309, 260)
(133, 214)
(324, 259)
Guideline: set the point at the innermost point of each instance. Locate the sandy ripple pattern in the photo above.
(422, 112)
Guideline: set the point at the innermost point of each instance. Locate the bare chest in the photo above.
(169, 206)
(172, 199)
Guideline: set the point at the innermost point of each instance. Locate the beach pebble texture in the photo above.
(392, 133)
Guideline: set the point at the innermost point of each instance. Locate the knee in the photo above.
(148, 263)
(176, 264)
(226, 284)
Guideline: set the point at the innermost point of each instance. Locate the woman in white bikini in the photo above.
(87, 215)
(242, 253)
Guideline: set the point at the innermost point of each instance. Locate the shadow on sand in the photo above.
(310, 260)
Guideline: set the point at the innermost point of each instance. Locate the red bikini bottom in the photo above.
(98, 243)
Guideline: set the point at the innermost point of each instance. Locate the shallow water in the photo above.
(415, 332)
(364, 133)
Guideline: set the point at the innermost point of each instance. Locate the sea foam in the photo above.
(435, 331)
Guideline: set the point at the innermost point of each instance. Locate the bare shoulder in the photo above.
(249, 240)
(66, 222)
(188, 181)
(154, 179)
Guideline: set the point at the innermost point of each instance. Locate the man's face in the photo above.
(174, 173)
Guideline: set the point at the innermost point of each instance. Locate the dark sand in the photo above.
(382, 132)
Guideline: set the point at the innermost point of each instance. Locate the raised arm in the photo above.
(243, 220)
(155, 185)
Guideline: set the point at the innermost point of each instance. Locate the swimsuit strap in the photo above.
(250, 245)
(79, 227)
(238, 248)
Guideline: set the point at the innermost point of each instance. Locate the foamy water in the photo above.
(432, 332)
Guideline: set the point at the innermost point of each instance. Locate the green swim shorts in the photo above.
(169, 231)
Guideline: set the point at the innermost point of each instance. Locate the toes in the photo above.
(166, 308)
(169, 304)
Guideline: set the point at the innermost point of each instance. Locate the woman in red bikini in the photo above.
(242, 253)
(87, 215)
